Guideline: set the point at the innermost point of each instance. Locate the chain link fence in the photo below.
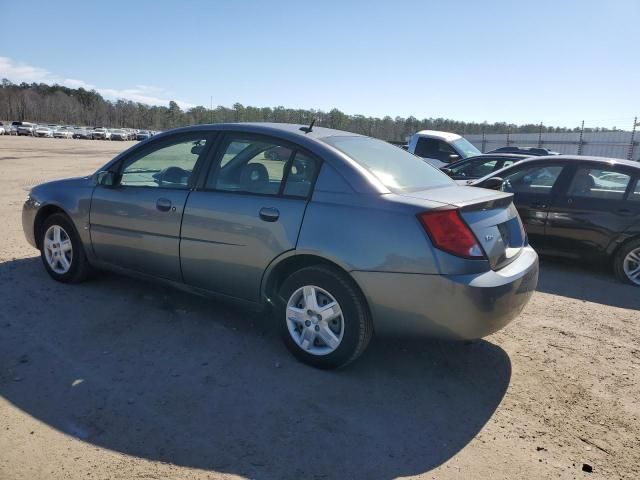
(582, 141)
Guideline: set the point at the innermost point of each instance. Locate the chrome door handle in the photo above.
(269, 214)
(163, 204)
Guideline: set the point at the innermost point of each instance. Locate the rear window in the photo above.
(396, 168)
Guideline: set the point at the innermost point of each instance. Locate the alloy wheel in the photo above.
(58, 250)
(631, 266)
(315, 320)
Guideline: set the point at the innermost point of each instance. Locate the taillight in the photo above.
(450, 233)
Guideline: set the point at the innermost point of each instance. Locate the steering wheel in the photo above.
(173, 175)
(506, 186)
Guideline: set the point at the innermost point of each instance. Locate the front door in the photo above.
(135, 224)
(248, 212)
(532, 187)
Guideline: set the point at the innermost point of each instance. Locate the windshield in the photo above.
(393, 166)
(465, 148)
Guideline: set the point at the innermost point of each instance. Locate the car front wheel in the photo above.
(626, 263)
(61, 250)
(323, 317)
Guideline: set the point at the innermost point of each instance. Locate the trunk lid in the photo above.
(490, 215)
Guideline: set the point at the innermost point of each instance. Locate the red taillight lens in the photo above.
(450, 233)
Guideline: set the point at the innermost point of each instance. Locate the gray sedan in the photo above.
(340, 235)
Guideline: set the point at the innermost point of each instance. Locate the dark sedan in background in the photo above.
(578, 207)
(480, 165)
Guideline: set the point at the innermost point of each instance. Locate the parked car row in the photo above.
(72, 131)
(578, 207)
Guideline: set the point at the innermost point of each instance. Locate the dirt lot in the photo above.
(121, 379)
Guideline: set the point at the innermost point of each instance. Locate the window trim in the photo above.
(137, 154)
(217, 152)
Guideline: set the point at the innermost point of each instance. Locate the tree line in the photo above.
(42, 103)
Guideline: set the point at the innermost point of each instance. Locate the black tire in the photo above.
(618, 260)
(80, 268)
(357, 324)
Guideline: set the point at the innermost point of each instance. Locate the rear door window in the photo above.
(598, 183)
(263, 166)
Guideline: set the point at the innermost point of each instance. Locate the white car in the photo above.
(2, 130)
(63, 132)
(441, 148)
(101, 134)
(43, 131)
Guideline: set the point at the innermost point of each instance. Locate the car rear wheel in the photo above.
(626, 263)
(323, 318)
(61, 250)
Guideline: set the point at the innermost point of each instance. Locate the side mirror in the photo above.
(493, 183)
(454, 158)
(107, 179)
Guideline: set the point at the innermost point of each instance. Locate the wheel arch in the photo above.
(621, 242)
(45, 212)
(292, 261)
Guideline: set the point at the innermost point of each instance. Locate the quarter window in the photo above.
(599, 183)
(168, 166)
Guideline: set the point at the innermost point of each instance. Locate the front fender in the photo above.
(72, 197)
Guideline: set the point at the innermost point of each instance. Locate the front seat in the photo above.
(582, 183)
(255, 178)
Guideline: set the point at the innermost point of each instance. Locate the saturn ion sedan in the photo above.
(339, 235)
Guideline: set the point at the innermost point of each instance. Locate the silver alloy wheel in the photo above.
(58, 250)
(631, 266)
(315, 320)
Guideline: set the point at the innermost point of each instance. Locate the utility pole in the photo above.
(211, 109)
(540, 136)
(631, 143)
(580, 139)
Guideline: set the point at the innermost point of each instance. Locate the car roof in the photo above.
(561, 158)
(449, 136)
(500, 155)
(582, 158)
(267, 128)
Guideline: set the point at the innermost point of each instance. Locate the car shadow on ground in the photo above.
(591, 283)
(167, 376)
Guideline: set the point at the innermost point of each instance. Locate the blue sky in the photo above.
(552, 61)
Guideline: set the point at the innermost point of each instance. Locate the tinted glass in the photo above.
(475, 168)
(536, 179)
(394, 167)
(599, 183)
(634, 196)
(301, 176)
(252, 166)
(169, 166)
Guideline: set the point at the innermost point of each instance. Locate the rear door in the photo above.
(533, 186)
(247, 212)
(136, 223)
(591, 210)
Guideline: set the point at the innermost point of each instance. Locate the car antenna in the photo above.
(309, 128)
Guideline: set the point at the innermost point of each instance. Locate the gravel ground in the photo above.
(120, 379)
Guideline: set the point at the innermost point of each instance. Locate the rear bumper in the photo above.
(450, 306)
